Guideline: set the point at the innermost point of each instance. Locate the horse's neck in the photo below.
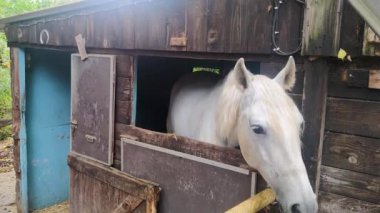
(226, 115)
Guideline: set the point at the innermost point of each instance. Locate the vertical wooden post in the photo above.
(19, 134)
(314, 110)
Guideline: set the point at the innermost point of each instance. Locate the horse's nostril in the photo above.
(295, 208)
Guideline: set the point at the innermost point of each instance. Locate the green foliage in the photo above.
(11, 8)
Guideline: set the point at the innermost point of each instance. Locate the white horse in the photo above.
(254, 112)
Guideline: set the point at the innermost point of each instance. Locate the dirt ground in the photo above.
(7, 178)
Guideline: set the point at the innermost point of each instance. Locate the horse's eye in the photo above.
(258, 129)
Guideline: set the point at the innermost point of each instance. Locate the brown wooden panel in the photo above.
(289, 25)
(196, 25)
(124, 66)
(16, 120)
(351, 37)
(188, 180)
(176, 24)
(297, 98)
(351, 184)
(236, 26)
(151, 25)
(259, 26)
(88, 195)
(216, 25)
(92, 113)
(352, 153)
(123, 89)
(115, 178)
(103, 30)
(314, 110)
(340, 81)
(333, 203)
(182, 144)
(353, 117)
(321, 29)
(123, 112)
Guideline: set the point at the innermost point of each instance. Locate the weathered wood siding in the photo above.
(233, 26)
(350, 178)
(98, 188)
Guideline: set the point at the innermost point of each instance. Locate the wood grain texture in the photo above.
(351, 38)
(338, 86)
(114, 178)
(236, 26)
(88, 195)
(259, 27)
(351, 184)
(16, 120)
(352, 152)
(182, 144)
(216, 25)
(314, 111)
(333, 203)
(321, 29)
(290, 25)
(196, 25)
(353, 117)
(151, 25)
(176, 24)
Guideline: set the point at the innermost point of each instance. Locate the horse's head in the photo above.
(268, 128)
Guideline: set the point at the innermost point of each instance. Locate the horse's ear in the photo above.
(287, 76)
(239, 75)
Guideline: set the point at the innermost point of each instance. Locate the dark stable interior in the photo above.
(157, 75)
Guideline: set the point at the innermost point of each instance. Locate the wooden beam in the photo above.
(16, 120)
(329, 203)
(314, 110)
(351, 184)
(120, 180)
(355, 153)
(182, 144)
(321, 29)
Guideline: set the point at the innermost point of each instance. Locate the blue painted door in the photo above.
(47, 126)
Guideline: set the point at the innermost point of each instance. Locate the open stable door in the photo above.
(92, 106)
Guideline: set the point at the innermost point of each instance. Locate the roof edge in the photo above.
(366, 12)
(82, 4)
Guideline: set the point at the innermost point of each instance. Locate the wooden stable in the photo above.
(149, 45)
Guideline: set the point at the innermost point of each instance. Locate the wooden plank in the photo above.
(352, 152)
(16, 120)
(332, 203)
(371, 43)
(182, 144)
(351, 37)
(259, 26)
(289, 25)
(123, 112)
(356, 78)
(151, 26)
(115, 178)
(314, 111)
(297, 98)
(215, 25)
(321, 29)
(351, 184)
(236, 26)
(182, 179)
(176, 25)
(196, 25)
(123, 89)
(338, 86)
(89, 195)
(104, 29)
(124, 66)
(353, 117)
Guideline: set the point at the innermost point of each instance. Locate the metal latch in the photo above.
(90, 138)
